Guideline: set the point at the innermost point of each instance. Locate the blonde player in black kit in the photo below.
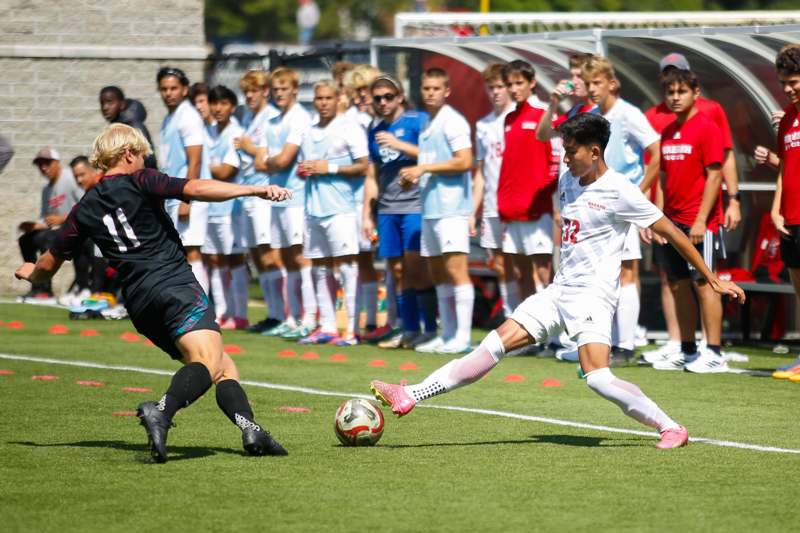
(124, 215)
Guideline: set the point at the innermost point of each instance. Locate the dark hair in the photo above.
(436, 72)
(788, 59)
(113, 89)
(219, 93)
(578, 59)
(197, 89)
(78, 160)
(518, 66)
(586, 129)
(164, 72)
(671, 76)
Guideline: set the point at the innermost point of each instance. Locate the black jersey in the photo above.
(124, 215)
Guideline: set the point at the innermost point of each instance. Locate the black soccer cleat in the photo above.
(157, 425)
(260, 442)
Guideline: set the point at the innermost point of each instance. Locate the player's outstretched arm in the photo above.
(219, 191)
(666, 229)
(41, 272)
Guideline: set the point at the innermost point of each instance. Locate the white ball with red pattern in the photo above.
(358, 423)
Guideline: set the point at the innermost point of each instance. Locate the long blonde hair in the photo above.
(110, 145)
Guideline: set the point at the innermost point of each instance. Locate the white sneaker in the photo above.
(567, 354)
(454, 347)
(640, 339)
(431, 346)
(707, 363)
(662, 353)
(676, 361)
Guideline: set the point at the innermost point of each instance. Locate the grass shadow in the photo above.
(562, 440)
(176, 453)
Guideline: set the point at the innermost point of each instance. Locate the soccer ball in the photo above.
(358, 423)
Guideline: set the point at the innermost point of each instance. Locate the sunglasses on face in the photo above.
(378, 98)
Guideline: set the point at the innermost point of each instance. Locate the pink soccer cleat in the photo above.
(393, 396)
(673, 438)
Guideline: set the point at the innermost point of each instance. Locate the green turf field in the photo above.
(70, 462)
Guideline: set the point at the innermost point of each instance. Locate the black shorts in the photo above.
(790, 247)
(174, 312)
(677, 268)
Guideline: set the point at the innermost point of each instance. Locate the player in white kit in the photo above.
(598, 205)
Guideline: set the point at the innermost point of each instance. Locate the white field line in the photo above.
(490, 412)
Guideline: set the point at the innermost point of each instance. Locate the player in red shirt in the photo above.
(691, 161)
(786, 203)
(527, 181)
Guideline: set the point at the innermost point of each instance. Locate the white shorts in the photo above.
(529, 237)
(444, 236)
(492, 231)
(192, 231)
(254, 221)
(333, 236)
(585, 316)
(364, 244)
(632, 249)
(222, 237)
(287, 225)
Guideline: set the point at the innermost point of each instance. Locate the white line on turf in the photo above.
(490, 412)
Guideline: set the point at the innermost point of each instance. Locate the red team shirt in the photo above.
(789, 152)
(686, 150)
(527, 177)
(660, 116)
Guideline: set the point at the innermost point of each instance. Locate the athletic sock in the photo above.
(276, 280)
(217, 286)
(309, 300)
(369, 301)
(509, 293)
(188, 384)
(293, 293)
(688, 348)
(325, 298)
(629, 398)
(349, 273)
(232, 400)
(199, 271)
(446, 304)
(263, 282)
(460, 372)
(409, 310)
(627, 316)
(716, 348)
(428, 303)
(239, 291)
(464, 300)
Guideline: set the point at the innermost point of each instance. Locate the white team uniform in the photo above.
(631, 133)
(446, 198)
(365, 120)
(489, 144)
(181, 129)
(224, 227)
(254, 213)
(583, 296)
(330, 203)
(288, 219)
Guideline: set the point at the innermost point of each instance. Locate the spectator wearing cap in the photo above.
(59, 195)
(116, 108)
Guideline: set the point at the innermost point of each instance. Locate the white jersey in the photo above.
(255, 127)
(595, 220)
(631, 133)
(489, 146)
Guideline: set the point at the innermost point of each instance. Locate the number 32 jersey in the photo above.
(594, 222)
(124, 215)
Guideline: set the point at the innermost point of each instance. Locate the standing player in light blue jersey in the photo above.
(334, 154)
(182, 156)
(254, 213)
(631, 136)
(285, 135)
(443, 173)
(223, 246)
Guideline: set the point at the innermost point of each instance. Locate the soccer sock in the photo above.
(227, 288)
(276, 280)
(688, 348)
(629, 398)
(199, 271)
(325, 298)
(309, 300)
(409, 310)
(444, 297)
(509, 293)
(217, 285)
(232, 400)
(428, 303)
(369, 300)
(188, 384)
(239, 291)
(460, 372)
(627, 316)
(263, 282)
(349, 273)
(464, 299)
(715, 348)
(293, 293)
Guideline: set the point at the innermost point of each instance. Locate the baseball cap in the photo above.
(674, 59)
(47, 153)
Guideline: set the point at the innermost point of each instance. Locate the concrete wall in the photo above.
(54, 58)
